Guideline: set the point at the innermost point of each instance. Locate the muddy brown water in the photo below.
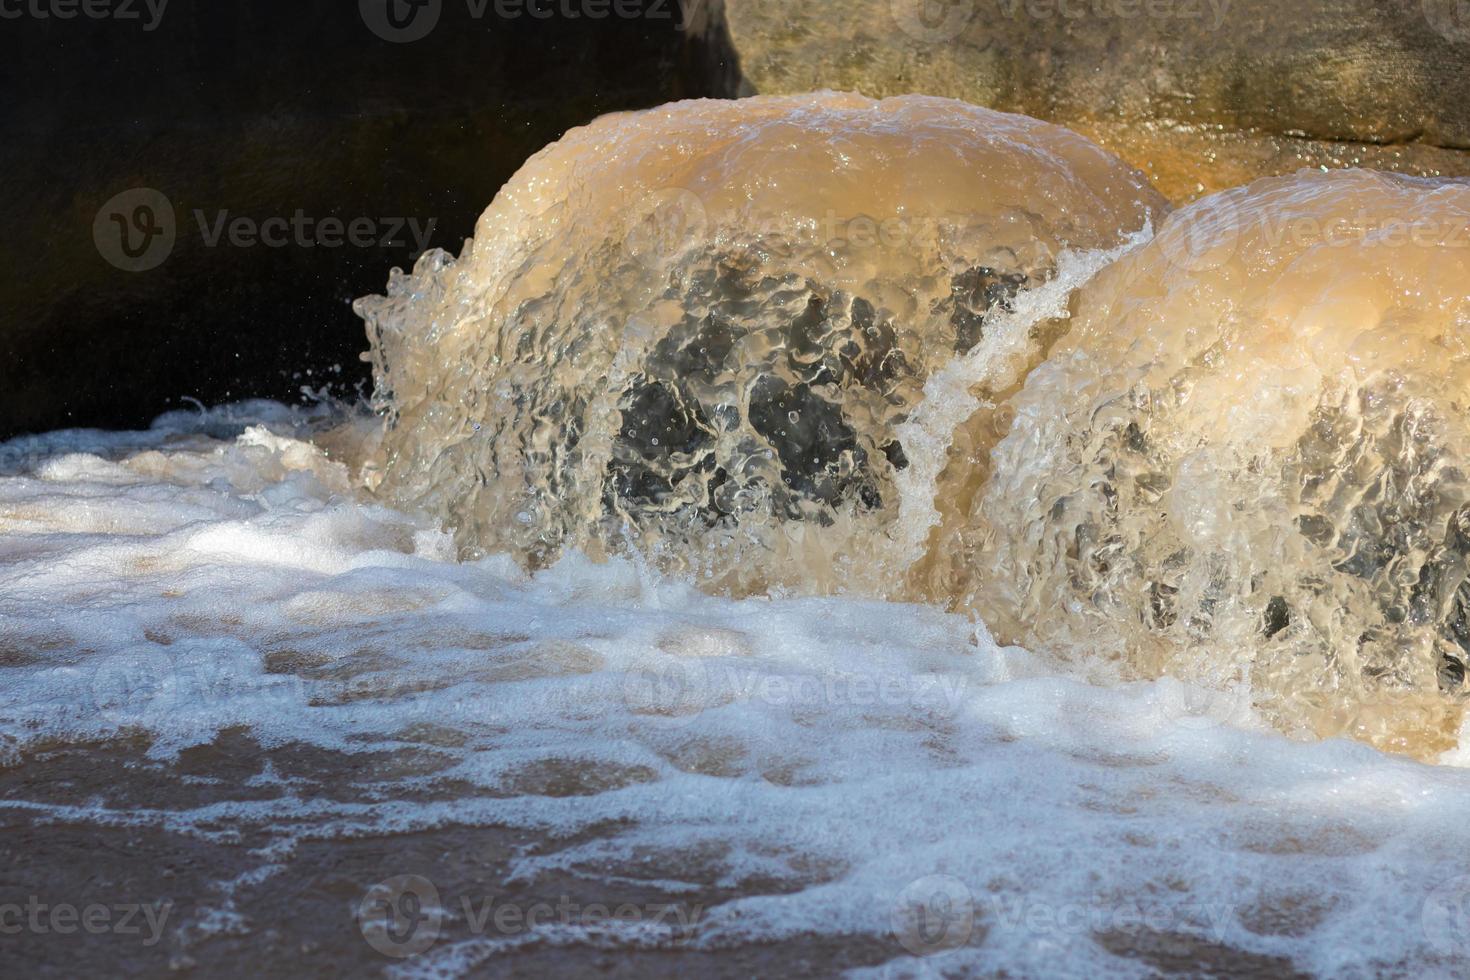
(155, 899)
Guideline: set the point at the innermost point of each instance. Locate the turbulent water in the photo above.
(1239, 462)
(255, 697)
(697, 331)
(1246, 461)
(797, 534)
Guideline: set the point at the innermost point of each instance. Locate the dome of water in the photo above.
(1247, 460)
(695, 331)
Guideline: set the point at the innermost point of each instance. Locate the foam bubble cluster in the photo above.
(1246, 460)
(695, 330)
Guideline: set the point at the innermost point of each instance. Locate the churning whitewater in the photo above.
(799, 768)
(878, 532)
(864, 354)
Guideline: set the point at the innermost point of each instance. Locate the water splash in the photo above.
(1246, 461)
(697, 331)
(825, 344)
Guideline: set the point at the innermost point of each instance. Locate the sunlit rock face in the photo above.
(692, 331)
(1201, 95)
(1248, 459)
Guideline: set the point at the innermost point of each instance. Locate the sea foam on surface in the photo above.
(803, 768)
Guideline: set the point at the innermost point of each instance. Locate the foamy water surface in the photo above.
(833, 772)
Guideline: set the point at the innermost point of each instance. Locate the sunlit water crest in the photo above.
(696, 332)
(1245, 461)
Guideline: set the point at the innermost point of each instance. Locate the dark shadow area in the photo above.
(274, 161)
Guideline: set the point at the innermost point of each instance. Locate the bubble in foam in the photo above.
(1247, 460)
(695, 330)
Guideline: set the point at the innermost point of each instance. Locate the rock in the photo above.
(1199, 93)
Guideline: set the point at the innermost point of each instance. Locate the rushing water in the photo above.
(699, 330)
(663, 620)
(1246, 460)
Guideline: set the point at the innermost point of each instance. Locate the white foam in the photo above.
(214, 572)
(948, 400)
